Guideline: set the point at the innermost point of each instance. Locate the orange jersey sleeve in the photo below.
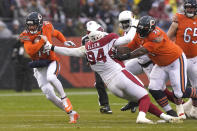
(33, 48)
(186, 35)
(59, 36)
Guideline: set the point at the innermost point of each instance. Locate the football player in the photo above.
(183, 29)
(46, 64)
(170, 62)
(118, 80)
(142, 64)
(99, 84)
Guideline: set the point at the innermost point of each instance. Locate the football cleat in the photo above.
(172, 113)
(187, 107)
(105, 110)
(171, 119)
(74, 116)
(180, 112)
(141, 119)
(130, 106)
(193, 112)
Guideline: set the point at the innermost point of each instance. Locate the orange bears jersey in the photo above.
(186, 35)
(35, 50)
(161, 53)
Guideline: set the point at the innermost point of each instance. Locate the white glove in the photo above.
(47, 47)
(69, 43)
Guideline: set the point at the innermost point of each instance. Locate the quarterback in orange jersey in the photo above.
(183, 29)
(45, 64)
(169, 59)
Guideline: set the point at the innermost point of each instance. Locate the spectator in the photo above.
(69, 29)
(16, 27)
(4, 31)
(107, 17)
(90, 10)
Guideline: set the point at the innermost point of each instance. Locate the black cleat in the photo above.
(130, 106)
(172, 113)
(105, 110)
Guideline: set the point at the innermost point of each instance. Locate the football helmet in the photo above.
(94, 31)
(125, 20)
(34, 22)
(146, 25)
(190, 8)
(96, 35)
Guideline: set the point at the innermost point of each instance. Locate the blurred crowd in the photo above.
(70, 16)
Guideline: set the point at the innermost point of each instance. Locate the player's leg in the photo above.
(135, 68)
(178, 78)
(133, 88)
(51, 75)
(102, 94)
(156, 86)
(190, 107)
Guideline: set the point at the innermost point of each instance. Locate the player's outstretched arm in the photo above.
(129, 36)
(78, 52)
(61, 38)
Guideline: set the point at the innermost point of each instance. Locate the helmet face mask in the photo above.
(146, 25)
(190, 8)
(34, 22)
(125, 25)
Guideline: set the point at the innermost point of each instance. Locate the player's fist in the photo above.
(47, 47)
(69, 43)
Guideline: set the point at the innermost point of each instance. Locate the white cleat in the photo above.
(141, 119)
(170, 119)
(180, 112)
(193, 112)
(187, 107)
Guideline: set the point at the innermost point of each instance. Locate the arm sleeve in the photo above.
(126, 38)
(59, 36)
(32, 49)
(78, 52)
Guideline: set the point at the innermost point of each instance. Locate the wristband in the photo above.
(52, 48)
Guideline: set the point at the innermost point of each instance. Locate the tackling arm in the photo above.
(134, 54)
(78, 52)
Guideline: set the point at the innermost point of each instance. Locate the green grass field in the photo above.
(33, 112)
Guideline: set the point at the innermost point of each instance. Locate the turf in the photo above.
(33, 112)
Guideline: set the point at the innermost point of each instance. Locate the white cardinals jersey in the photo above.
(98, 55)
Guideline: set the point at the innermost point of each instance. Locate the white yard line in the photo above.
(41, 94)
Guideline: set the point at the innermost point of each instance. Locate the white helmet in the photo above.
(96, 35)
(93, 26)
(95, 31)
(125, 18)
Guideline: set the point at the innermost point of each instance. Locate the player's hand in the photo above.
(47, 47)
(69, 43)
(44, 37)
(117, 55)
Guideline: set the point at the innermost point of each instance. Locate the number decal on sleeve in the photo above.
(187, 37)
(100, 56)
